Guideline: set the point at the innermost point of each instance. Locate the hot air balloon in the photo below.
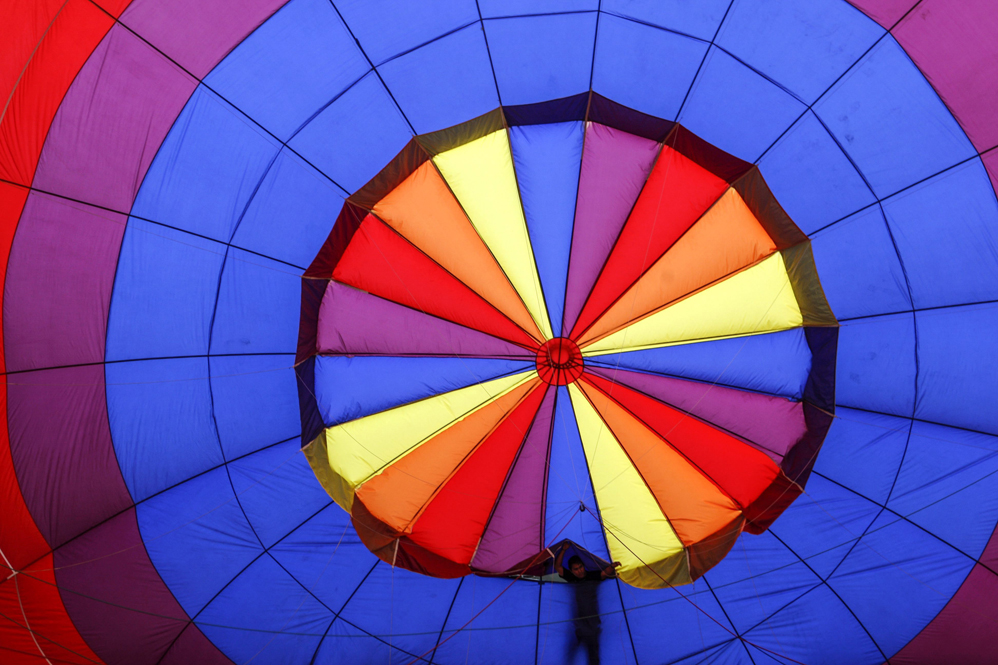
(331, 328)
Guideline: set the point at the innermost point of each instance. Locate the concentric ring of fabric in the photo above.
(438, 264)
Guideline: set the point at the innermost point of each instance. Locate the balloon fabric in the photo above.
(325, 321)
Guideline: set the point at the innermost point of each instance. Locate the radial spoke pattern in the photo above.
(429, 282)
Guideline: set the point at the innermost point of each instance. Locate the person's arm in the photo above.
(609, 571)
(557, 561)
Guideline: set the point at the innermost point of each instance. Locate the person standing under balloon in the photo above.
(584, 583)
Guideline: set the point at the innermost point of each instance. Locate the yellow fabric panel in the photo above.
(757, 300)
(355, 451)
(481, 175)
(728, 238)
(423, 211)
(638, 533)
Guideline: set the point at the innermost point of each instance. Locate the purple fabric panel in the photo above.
(770, 424)
(193, 647)
(964, 631)
(884, 12)
(111, 122)
(61, 445)
(955, 44)
(615, 165)
(195, 33)
(59, 280)
(991, 164)
(514, 533)
(116, 598)
(354, 322)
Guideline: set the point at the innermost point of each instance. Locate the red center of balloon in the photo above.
(559, 361)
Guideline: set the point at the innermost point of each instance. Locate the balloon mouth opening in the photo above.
(559, 361)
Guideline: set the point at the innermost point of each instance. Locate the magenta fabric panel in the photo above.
(60, 442)
(771, 424)
(193, 647)
(884, 12)
(195, 33)
(615, 165)
(955, 44)
(106, 579)
(964, 632)
(59, 280)
(517, 526)
(351, 321)
(991, 164)
(111, 123)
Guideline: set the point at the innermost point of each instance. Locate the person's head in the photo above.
(577, 567)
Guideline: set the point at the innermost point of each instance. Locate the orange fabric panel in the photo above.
(728, 238)
(678, 192)
(424, 211)
(74, 34)
(694, 506)
(455, 519)
(57, 638)
(398, 494)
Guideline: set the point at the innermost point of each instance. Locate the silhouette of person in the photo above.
(585, 583)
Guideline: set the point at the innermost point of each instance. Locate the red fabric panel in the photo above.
(677, 193)
(455, 519)
(381, 262)
(742, 472)
(74, 34)
(35, 591)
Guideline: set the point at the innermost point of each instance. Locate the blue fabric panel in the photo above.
(206, 170)
(292, 212)
(347, 388)
(897, 579)
(355, 136)
(700, 19)
(559, 645)
(812, 178)
(161, 424)
(197, 537)
(691, 621)
(569, 484)
(516, 607)
(803, 46)
(875, 367)
(947, 234)
(948, 485)
(732, 652)
(626, 50)
(957, 382)
(494, 8)
(736, 109)
(273, 618)
(891, 122)
(164, 293)
(386, 28)
(823, 518)
(830, 629)
(863, 451)
(758, 577)
(541, 57)
(445, 82)
(417, 602)
(859, 267)
(264, 481)
(326, 556)
(258, 305)
(283, 72)
(547, 159)
(255, 401)
(776, 363)
(345, 643)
